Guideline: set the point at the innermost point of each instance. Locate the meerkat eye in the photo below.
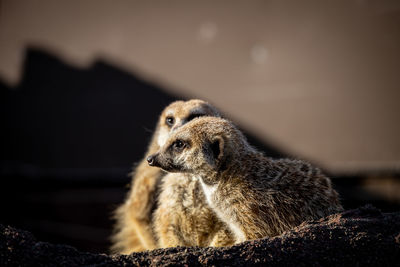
(170, 121)
(179, 145)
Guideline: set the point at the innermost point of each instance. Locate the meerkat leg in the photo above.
(134, 232)
(171, 225)
(222, 238)
(172, 238)
(143, 233)
(167, 230)
(133, 235)
(125, 240)
(141, 202)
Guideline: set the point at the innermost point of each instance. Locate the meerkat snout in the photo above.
(151, 160)
(170, 157)
(154, 160)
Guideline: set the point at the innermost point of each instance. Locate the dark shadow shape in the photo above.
(68, 141)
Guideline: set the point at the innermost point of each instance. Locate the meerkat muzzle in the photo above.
(152, 160)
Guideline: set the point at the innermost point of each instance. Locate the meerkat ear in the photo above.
(217, 149)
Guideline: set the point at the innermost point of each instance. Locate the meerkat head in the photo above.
(202, 146)
(180, 112)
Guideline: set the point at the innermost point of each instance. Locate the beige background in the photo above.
(319, 79)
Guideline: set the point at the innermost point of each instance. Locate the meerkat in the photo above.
(183, 217)
(133, 230)
(255, 196)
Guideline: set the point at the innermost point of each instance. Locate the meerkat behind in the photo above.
(133, 229)
(254, 195)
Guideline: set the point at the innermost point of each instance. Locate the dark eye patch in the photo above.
(195, 115)
(178, 145)
(170, 120)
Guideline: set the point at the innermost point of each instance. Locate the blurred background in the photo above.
(82, 84)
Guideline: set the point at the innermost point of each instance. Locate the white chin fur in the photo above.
(162, 137)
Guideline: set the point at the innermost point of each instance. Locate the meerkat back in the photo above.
(133, 229)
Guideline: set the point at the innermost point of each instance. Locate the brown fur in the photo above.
(183, 217)
(133, 230)
(254, 195)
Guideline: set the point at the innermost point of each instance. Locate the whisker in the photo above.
(147, 129)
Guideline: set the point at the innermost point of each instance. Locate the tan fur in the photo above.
(254, 195)
(183, 217)
(133, 230)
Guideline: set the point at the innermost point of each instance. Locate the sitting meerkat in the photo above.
(133, 230)
(183, 217)
(254, 195)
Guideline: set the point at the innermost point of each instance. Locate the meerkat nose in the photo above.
(151, 160)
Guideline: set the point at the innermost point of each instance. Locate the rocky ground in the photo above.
(359, 237)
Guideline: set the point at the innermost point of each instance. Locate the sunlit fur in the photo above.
(134, 227)
(254, 195)
(183, 217)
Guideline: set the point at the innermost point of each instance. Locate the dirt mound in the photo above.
(363, 236)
